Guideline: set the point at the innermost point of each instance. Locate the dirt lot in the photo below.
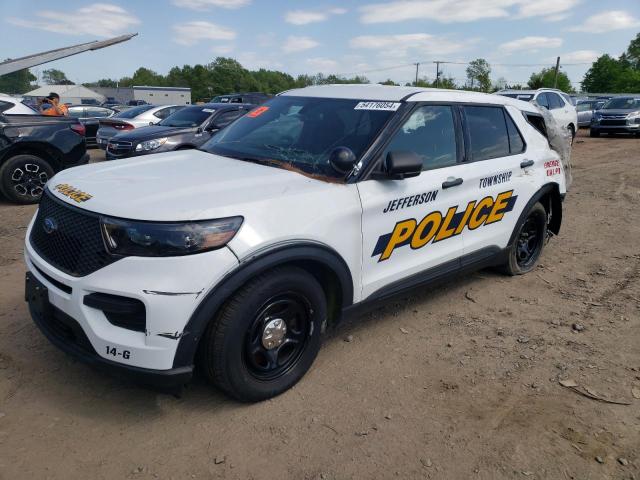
(460, 382)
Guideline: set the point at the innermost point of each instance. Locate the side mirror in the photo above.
(342, 159)
(401, 165)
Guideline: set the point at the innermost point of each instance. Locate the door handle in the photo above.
(526, 163)
(452, 182)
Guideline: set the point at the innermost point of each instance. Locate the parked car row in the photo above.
(557, 102)
(189, 127)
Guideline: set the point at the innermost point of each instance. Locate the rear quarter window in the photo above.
(537, 122)
(487, 130)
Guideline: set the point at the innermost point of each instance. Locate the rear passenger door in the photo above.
(498, 174)
(408, 225)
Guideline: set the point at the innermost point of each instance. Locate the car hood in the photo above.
(183, 185)
(153, 131)
(616, 111)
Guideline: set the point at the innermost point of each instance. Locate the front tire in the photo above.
(23, 177)
(267, 335)
(529, 242)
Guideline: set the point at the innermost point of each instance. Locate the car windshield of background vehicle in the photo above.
(187, 117)
(133, 112)
(300, 133)
(622, 104)
(583, 107)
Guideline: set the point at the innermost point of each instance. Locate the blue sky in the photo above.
(375, 38)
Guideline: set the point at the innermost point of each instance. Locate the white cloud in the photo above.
(99, 19)
(530, 44)
(208, 4)
(190, 33)
(553, 10)
(608, 21)
(579, 56)
(450, 11)
(400, 45)
(303, 17)
(298, 44)
(222, 49)
(320, 64)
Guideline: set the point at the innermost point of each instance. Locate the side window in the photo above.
(516, 143)
(542, 100)
(487, 132)
(164, 113)
(236, 100)
(555, 101)
(430, 133)
(226, 118)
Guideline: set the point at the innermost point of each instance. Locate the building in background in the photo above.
(75, 94)
(153, 95)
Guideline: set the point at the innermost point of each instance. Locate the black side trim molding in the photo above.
(485, 257)
(249, 267)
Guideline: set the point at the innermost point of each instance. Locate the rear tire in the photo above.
(572, 131)
(23, 177)
(267, 335)
(529, 241)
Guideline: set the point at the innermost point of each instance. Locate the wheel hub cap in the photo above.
(274, 333)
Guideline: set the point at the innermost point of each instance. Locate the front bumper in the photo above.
(171, 288)
(67, 334)
(628, 128)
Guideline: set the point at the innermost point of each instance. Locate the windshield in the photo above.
(622, 103)
(187, 117)
(133, 112)
(299, 133)
(583, 107)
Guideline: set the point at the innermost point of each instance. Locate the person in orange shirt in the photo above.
(56, 108)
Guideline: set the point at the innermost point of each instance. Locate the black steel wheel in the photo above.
(278, 336)
(23, 177)
(266, 336)
(529, 241)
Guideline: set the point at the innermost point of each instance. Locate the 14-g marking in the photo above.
(113, 351)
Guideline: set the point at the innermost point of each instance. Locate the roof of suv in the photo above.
(376, 92)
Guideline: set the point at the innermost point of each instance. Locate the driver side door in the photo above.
(409, 225)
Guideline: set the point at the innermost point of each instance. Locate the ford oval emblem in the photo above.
(50, 225)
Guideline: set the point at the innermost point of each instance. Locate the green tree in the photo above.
(53, 76)
(389, 82)
(633, 52)
(17, 82)
(103, 82)
(545, 79)
(479, 75)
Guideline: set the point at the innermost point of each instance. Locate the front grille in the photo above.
(71, 241)
(119, 148)
(613, 122)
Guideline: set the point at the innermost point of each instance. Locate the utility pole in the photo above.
(438, 62)
(555, 77)
(417, 67)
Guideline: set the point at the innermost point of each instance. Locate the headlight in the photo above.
(150, 144)
(151, 239)
(633, 115)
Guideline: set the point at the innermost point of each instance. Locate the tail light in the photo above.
(78, 128)
(123, 126)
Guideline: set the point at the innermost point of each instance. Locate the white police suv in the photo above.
(236, 256)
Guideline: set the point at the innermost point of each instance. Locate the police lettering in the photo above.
(411, 201)
(438, 226)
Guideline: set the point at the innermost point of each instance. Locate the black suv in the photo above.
(189, 127)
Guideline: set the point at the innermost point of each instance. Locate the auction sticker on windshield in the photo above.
(388, 106)
(257, 112)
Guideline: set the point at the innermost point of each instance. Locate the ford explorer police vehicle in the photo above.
(235, 257)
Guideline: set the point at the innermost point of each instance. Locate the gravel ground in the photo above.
(460, 382)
